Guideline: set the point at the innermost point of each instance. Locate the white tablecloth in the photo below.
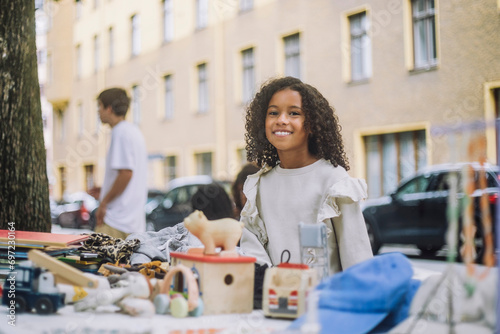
(106, 320)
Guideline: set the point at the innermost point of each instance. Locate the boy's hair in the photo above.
(324, 141)
(213, 201)
(117, 98)
(248, 169)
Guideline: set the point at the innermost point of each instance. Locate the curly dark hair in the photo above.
(324, 141)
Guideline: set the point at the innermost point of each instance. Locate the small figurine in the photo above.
(125, 292)
(224, 233)
(179, 306)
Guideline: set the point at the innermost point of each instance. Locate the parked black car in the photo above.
(176, 203)
(416, 213)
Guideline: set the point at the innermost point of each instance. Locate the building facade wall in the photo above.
(395, 98)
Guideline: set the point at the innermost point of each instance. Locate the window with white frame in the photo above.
(496, 97)
(62, 180)
(391, 157)
(136, 34)
(360, 47)
(246, 5)
(39, 4)
(201, 14)
(424, 33)
(170, 168)
(78, 61)
(81, 119)
(248, 77)
(204, 163)
(78, 9)
(136, 104)
(98, 118)
(62, 125)
(202, 89)
(241, 155)
(292, 55)
(50, 68)
(111, 46)
(96, 53)
(169, 97)
(89, 177)
(496, 107)
(168, 21)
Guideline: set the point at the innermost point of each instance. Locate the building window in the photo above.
(62, 180)
(168, 21)
(39, 4)
(89, 177)
(201, 14)
(81, 119)
(78, 61)
(170, 168)
(62, 125)
(248, 77)
(246, 5)
(292, 55)
(169, 97)
(136, 35)
(360, 47)
(78, 9)
(136, 105)
(424, 33)
(241, 155)
(204, 163)
(98, 118)
(496, 106)
(50, 69)
(202, 89)
(496, 96)
(111, 46)
(392, 157)
(96, 53)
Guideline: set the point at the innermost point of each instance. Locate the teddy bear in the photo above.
(224, 233)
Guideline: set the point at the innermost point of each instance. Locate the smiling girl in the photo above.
(294, 135)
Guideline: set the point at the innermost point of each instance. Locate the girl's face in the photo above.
(285, 123)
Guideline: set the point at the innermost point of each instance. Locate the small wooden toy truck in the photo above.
(29, 288)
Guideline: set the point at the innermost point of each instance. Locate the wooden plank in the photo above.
(61, 270)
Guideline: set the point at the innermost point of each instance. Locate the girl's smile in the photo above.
(285, 126)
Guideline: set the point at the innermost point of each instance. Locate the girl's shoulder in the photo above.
(253, 179)
(340, 184)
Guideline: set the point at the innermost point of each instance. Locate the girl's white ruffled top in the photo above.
(278, 199)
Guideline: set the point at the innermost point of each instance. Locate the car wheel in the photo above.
(374, 242)
(20, 304)
(479, 244)
(44, 306)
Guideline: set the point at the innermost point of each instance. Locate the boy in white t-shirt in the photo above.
(124, 190)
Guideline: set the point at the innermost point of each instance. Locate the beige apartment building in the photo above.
(409, 79)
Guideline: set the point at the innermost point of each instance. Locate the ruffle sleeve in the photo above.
(250, 214)
(349, 187)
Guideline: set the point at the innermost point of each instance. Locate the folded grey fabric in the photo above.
(156, 246)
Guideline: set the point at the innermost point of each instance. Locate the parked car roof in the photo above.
(187, 180)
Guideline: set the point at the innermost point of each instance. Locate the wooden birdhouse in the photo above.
(225, 282)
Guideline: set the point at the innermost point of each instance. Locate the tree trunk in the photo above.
(24, 192)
